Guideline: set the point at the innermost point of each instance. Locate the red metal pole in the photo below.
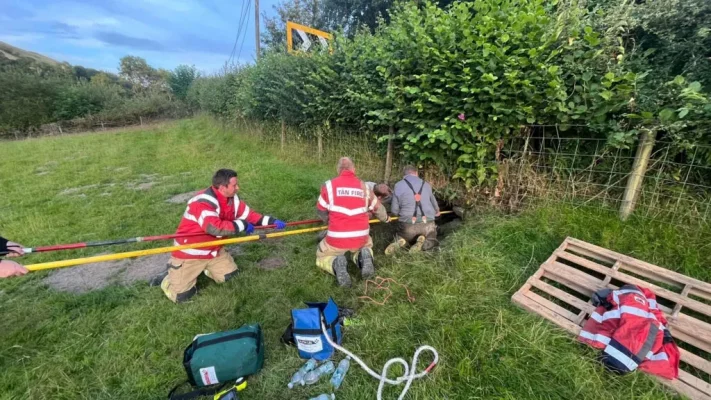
(139, 239)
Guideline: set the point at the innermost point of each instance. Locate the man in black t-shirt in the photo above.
(7, 267)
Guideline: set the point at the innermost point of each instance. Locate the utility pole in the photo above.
(256, 25)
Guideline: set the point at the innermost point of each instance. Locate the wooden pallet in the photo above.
(561, 288)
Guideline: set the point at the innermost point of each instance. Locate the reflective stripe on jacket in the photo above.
(348, 201)
(632, 333)
(213, 214)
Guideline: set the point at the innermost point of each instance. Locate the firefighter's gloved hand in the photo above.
(249, 229)
(279, 224)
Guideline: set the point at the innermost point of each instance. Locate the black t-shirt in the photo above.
(3, 244)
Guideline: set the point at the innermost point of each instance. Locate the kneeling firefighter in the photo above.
(216, 212)
(345, 203)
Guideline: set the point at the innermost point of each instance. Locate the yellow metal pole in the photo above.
(160, 250)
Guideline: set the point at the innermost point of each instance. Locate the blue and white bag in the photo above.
(306, 329)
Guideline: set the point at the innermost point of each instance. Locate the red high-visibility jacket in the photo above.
(632, 332)
(348, 201)
(215, 215)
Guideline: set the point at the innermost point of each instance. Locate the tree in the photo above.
(351, 14)
(104, 79)
(305, 12)
(181, 78)
(82, 73)
(675, 36)
(137, 71)
(328, 15)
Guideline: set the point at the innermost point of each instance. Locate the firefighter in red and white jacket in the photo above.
(345, 203)
(216, 212)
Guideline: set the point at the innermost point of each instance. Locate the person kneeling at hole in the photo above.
(384, 194)
(216, 212)
(344, 203)
(416, 207)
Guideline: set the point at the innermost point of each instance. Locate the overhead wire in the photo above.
(239, 54)
(241, 30)
(234, 45)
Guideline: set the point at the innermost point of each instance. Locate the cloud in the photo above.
(90, 22)
(165, 32)
(60, 29)
(119, 39)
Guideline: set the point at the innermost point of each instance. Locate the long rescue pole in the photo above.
(160, 250)
(139, 239)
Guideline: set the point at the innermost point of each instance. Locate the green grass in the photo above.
(126, 342)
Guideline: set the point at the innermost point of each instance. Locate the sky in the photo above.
(167, 33)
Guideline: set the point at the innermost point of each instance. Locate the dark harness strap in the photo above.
(418, 201)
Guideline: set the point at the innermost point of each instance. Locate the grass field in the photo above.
(126, 342)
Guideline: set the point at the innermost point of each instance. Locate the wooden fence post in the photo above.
(141, 118)
(639, 169)
(389, 156)
(283, 134)
(60, 129)
(319, 132)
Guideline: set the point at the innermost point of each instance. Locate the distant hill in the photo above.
(12, 53)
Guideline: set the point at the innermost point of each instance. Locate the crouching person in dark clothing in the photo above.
(10, 268)
(416, 207)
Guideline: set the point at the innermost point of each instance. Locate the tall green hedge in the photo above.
(456, 83)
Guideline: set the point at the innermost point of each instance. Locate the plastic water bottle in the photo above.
(323, 369)
(324, 397)
(298, 377)
(337, 378)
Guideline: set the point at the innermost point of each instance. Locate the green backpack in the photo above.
(215, 359)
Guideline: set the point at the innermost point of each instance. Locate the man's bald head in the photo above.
(345, 164)
(409, 170)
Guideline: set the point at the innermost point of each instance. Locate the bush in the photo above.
(83, 98)
(457, 84)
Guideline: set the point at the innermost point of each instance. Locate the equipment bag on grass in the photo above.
(305, 330)
(216, 359)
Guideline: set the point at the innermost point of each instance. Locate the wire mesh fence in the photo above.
(325, 145)
(541, 167)
(676, 187)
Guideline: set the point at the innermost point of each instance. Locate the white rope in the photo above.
(408, 376)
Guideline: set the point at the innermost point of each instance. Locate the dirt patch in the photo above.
(75, 190)
(235, 250)
(95, 276)
(145, 186)
(144, 268)
(181, 198)
(272, 263)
